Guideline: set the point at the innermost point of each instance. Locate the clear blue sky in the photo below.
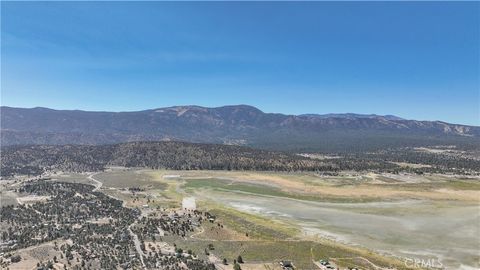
(418, 60)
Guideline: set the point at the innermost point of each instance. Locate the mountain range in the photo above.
(238, 124)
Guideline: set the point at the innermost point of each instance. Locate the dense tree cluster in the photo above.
(175, 225)
(73, 212)
(359, 162)
(34, 160)
(446, 161)
(168, 155)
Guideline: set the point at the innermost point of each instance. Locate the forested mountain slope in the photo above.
(240, 125)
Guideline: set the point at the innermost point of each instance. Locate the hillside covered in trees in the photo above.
(34, 160)
(37, 159)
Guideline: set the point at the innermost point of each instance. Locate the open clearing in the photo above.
(81, 178)
(409, 216)
(8, 198)
(32, 199)
(343, 188)
(123, 178)
(408, 229)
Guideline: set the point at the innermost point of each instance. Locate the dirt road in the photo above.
(98, 184)
(136, 242)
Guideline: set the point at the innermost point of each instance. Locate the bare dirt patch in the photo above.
(32, 199)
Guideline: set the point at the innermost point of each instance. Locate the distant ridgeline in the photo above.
(237, 125)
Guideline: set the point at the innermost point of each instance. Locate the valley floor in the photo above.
(370, 221)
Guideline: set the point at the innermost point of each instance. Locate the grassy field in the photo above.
(347, 187)
(74, 178)
(128, 178)
(302, 186)
(301, 252)
(256, 226)
(266, 190)
(453, 184)
(8, 198)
